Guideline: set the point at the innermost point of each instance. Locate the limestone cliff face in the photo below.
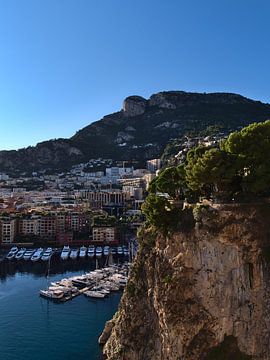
(200, 294)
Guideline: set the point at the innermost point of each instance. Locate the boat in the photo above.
(119, 250)
(65, 253)
(74, 254)
(101, 289)
(98, 251)
(52, 294)
(47, 254)
(91, 251)
(83, 252)
(125, 250)
(20, 254)
(37, 255)
(27, 255)
(106, 250)
(12, 252)
(94, 294)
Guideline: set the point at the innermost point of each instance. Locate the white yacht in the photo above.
(98, 251)
(47, 254)
(28, 254)
(106, 250)
(125, 250)
(83, 252)
(37, 255)
(74, 253)
(20, 254)
(12, 252)
(94, 294)
(91, 251)
(54, 295)
(65, 252)
(119, 250)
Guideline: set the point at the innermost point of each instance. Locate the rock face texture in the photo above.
(200, 294)
(134, 106)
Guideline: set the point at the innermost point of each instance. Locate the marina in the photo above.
(94, 284)
(36, 323)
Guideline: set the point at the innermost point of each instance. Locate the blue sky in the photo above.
(66, 63)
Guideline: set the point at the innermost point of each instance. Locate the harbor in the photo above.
(95, 284)
(37, 322)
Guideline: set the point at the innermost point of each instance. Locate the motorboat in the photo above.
(74, 254)
(119, 250)
(20, 254)
(47, 254)
(91, 251)
(37, 255)
(65, 253)
(125, 250)
(28, 254)
(98, 251)
(106, 250)
(12, 252)
(83, 252)
(94, 294)
(52, 294)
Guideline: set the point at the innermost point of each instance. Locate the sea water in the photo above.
(35, 328)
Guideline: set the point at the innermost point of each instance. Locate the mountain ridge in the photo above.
(140, 130)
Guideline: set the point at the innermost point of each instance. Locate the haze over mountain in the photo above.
(140, 130)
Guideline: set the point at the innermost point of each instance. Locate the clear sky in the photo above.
(66, 63)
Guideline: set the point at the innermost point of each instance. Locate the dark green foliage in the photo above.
(251, 145)
(241, 166)
(171, 181)
(104, 220)
(212, 171)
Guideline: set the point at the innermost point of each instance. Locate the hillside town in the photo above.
(98, 202)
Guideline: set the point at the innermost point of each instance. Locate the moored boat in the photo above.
(91, 251)
(27, 255)
(74, 254)
(47, 254)
(83, 252)
(12, 252)
(119, 250)
(37, 255)
(98, 251)
(20, 254)
(65, 253)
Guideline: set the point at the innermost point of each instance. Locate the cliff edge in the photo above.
(201, 293)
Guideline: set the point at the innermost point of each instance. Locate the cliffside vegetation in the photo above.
(237, 170)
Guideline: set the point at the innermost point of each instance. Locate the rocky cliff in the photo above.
(140, 130)
(202, 293)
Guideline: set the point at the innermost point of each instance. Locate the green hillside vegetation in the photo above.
(236, 171)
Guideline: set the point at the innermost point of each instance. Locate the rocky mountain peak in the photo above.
(134, 106)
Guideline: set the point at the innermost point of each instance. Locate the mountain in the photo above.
(140, 130)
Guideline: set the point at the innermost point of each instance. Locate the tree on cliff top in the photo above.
(240, 165)
(251, 145)
(171, 181)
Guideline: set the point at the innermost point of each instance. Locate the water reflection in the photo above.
(40, 268)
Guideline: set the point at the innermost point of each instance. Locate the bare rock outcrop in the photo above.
(199, 294)
(134, 106)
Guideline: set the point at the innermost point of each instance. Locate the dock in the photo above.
(96, 284)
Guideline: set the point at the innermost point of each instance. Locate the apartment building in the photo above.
(8, 230)
(104, 234)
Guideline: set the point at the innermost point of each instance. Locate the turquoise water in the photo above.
(34, 328)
